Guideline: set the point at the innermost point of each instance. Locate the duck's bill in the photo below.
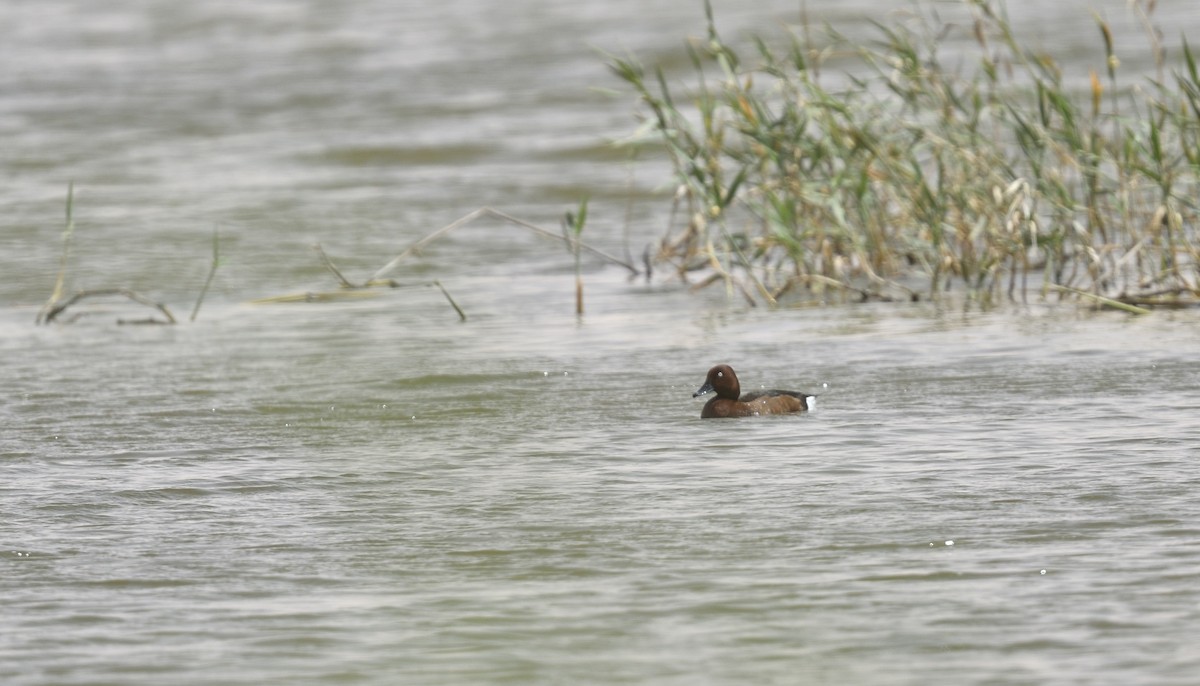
(706, 388)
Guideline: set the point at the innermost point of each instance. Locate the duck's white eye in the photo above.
(720, 373)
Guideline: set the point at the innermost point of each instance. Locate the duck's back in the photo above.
(751, 397)
(775, 402)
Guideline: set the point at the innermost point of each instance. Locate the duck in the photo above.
(730, 403)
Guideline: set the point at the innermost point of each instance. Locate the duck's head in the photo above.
(722, 380)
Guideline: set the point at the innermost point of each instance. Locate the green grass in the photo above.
(902, 177)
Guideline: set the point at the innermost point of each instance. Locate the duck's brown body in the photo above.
(730, 403)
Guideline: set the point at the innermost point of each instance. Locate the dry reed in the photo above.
(571, 238)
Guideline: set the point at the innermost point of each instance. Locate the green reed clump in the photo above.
(906, 176)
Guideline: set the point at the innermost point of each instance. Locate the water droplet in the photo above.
(949, 542)
(1043, 572)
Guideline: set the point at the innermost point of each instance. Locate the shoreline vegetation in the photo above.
(905, 175)
(908, 173)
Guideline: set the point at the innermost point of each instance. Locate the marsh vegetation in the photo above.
(942, 156)
(886, 169)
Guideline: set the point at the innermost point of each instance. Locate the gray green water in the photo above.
(371, 492)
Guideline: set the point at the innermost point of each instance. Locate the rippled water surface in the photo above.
(369, 491)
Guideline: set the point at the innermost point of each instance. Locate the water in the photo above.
(371, 492)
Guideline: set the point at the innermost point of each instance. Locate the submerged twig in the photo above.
(315, 296)
(1099, 299)
(491, 212)
(730, 282)
(863, 294)
(377, 280)
(368, 290)
(330, 266)
(351, 289)
(462, 316)
(212, 271)
(59, 307)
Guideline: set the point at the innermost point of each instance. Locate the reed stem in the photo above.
(67, 236)
(212, 271)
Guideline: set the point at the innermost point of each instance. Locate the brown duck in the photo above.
(730, 403)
